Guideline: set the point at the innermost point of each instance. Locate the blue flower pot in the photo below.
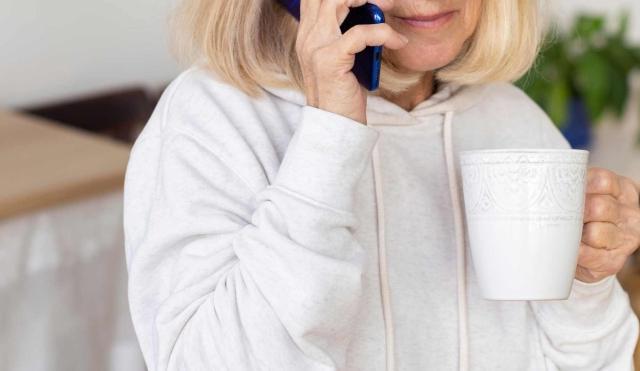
(577, 128)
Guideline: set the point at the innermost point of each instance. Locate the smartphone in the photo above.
(367, 63)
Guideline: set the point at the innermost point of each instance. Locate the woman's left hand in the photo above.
(611, 231)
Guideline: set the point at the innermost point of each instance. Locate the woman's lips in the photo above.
(431, 21)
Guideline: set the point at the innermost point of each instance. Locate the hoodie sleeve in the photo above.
(223, 276)
(595, 328)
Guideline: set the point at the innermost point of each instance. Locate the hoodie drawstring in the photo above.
(460, 253)
(463, 340)
(382, 266)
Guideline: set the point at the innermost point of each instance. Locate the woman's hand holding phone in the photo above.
(327, 56)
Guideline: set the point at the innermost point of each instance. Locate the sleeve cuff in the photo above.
(589, 306)
(326, 157)
(584, 289)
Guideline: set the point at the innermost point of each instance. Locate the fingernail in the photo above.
(404, 38)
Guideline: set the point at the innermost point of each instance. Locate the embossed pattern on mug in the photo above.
(523, 186)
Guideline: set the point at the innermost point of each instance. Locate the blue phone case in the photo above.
(367, 63)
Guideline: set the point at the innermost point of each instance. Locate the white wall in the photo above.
(565, 10)
(53, 49)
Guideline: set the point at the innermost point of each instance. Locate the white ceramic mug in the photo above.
(524, 213)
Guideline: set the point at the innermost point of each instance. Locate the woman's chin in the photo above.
(421, 61)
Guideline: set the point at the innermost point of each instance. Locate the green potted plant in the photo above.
(581, 74)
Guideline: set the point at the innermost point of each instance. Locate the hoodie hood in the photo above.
(447, 100)
(380, 111)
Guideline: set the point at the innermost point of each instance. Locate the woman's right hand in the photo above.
(327, 56)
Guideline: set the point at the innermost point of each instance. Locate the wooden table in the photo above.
(43, 164)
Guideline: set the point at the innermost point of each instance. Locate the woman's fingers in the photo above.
(594, 259)
(629, 192)
(609, 223)
(601, 208)
(611, 231)
(331, 15)
(320, 26)
(595, 264)
(327, 27)
(340, 8)
(602, 235)
(602, 181)
(309, 12)
(327, 56)
(341, 53)
(338, 56)
(357, 38)
(343, 11)
(630, 216)
(314, 11)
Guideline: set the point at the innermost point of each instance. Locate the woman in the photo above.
(279, 217)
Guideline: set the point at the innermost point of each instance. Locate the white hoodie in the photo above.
(265, 234)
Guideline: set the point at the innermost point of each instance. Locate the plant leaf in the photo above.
(619, 88)
(585, 26)
(623, 25)
(591, 79)
(636, 53)
(621, 56)
(558, 103)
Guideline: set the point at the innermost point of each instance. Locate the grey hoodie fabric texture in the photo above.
(266, 234)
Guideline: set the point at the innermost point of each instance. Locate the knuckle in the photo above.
(591, 234)
(627, 184)
(594, 173)
(626, 181)
(358, 31)
(334, 4)
(600, 172)
(606, 178)
(603, 183)
(598, 206)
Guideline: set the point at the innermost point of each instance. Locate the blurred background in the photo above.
(79, 79)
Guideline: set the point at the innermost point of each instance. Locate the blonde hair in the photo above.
(251, 43)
